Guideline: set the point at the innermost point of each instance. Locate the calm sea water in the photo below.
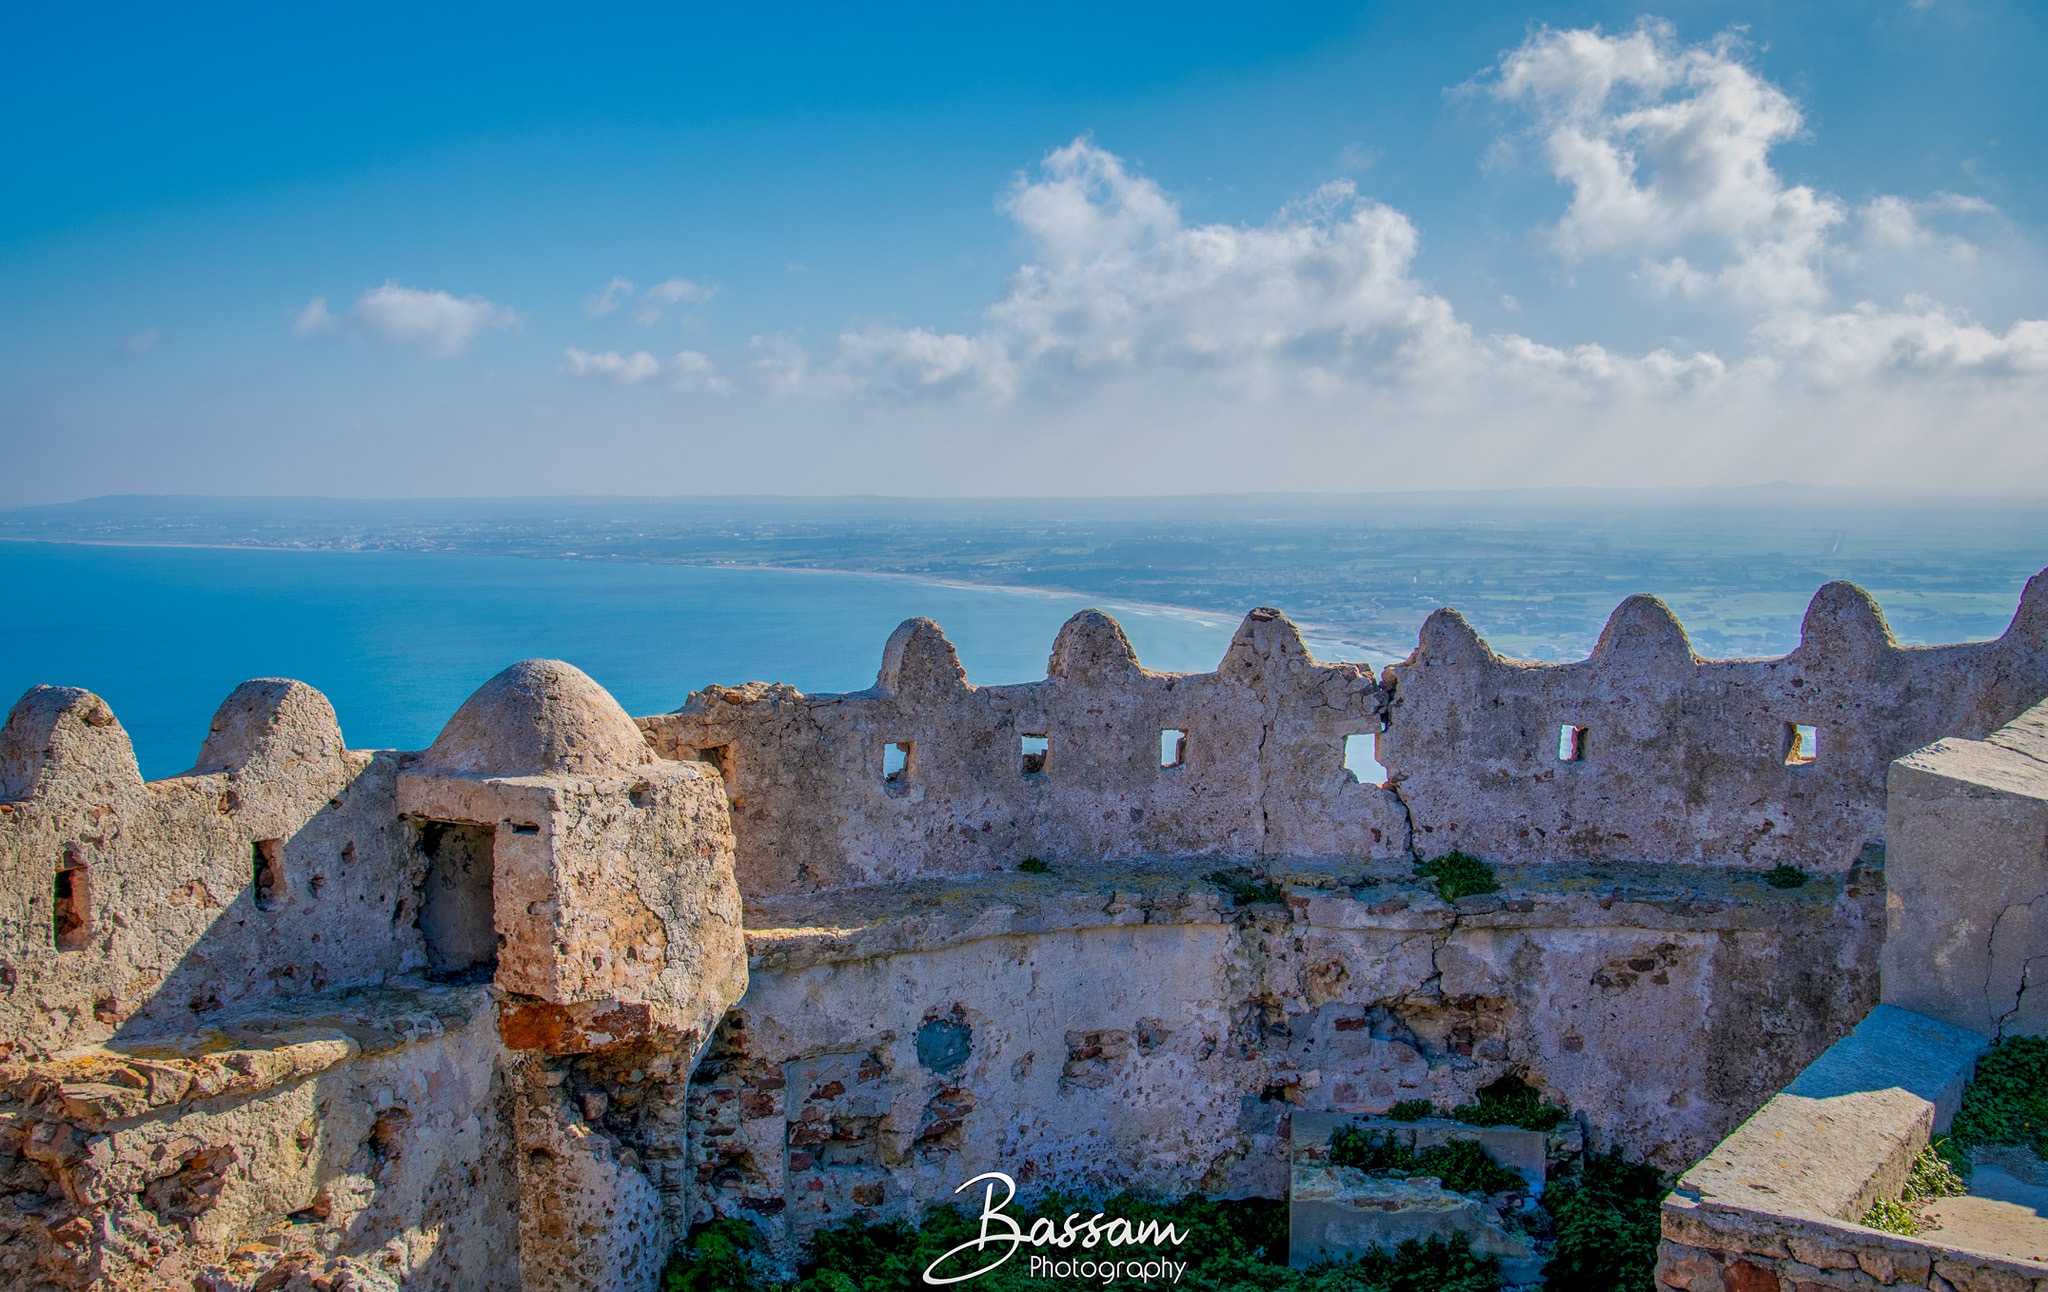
(398, 640)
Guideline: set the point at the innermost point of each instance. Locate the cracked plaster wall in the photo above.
(1967, 912)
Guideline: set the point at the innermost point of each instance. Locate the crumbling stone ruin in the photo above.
(514, 1011)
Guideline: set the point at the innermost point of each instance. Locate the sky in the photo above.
(1035, 250)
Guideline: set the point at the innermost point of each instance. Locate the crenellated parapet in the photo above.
(1642, 752)
(1647, 752)
(276, 866)
(926, 774)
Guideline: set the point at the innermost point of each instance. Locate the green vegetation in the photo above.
(1462, 1165)
(2005, 1103)
(1892, 1216)
(1458, 874)
(1232, 1246)
(1606, 1217)
(1033, 866)
(1245, 889)
(1931, 1177)
(1511, 1101)
(1784, 876)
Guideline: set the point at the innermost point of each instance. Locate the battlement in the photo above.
(1643, 752)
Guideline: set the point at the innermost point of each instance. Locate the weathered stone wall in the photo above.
(1679, 759)
(166, 925)
(1262, 770)
(1686, 759)
(359, 1131)
(307, 1014)
(1100, 1030)
(1968, 936)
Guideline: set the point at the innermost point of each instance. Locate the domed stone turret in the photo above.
(537, 718)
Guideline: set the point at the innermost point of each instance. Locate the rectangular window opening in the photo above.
(71, 916)
(1571, 744)
(1362, 758)
(457, 915)
(1802, 744)
(266, 871)
(898, 757)
(718, 758)
(1173, 746)
(1034, 748)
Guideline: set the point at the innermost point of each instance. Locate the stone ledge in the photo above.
(102, 1086)
(1845, 1132)
(793, 932)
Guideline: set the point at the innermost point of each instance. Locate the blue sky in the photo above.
(1045, 250)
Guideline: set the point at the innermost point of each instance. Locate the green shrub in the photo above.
(1607, 1222)
(1463, 1165)
(1933, 1177)
(1434, 1266)
(714, 1259)
(1892, 1216)
(1411, 1110)
(1244, 888)
(1232, 1246)
(1033, 866)
(1784, 876)
(1511, 1101)
(2005, 1103)
(1458, 874)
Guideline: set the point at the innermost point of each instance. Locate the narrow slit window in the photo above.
(1173, 746)
(1802, 744)
(71, 915)
(897, 759)
(266, 873)
(1362, 758)
(1571, 744)
(1033, 750)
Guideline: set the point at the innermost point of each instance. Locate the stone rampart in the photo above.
(1643, 752)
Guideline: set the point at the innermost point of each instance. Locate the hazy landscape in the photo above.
(1537, 572)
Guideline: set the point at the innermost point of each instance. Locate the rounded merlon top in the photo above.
(539, 717)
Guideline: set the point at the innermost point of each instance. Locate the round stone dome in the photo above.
(539, 717)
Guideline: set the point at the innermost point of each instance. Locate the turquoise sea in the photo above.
(397, 640)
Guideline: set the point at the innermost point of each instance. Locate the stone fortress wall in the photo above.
(433, 1017)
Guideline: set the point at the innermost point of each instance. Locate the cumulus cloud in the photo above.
(313, 318)
(1120, 282)
(1664, 145)
(1134, 347)
(435, 321)
(671, 292)
(688, 370)
(625, 369)
(616, 293)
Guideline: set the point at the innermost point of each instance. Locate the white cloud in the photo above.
(693, 370)
(687, 370)
(1666, 146)
(625, 369)
(438, 323)
(313, 318)
(671, 292)
(1121, 283)
(615, 293)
